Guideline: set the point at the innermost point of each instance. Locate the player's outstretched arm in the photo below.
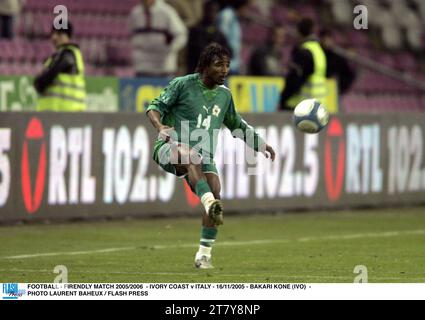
(242, 130)
(250, 136)
(163, 130)
(161, 106)
(268, 151)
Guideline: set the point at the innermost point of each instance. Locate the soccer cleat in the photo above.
(215, 212)
(203, 262)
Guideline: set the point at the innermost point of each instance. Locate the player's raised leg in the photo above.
(207, 188)
(188, 161)
(215, 187)
(209, 227)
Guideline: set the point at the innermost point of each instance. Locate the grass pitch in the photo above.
(298, 247)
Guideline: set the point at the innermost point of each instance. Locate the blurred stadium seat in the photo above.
(395, 39)
(101, 29)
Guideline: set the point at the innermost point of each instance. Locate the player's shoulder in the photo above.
(186, 80)
(225, 90)
(189, 77)
(223, 87)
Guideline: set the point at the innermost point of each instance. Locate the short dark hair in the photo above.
(238, 3)
(210, 52)
(305, 27)
(68, 30)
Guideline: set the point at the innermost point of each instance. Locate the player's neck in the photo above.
(207, 82)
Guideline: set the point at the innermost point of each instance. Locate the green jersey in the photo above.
(197, 114)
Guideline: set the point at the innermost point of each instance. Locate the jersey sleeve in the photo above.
(167, 98)
(241, 129)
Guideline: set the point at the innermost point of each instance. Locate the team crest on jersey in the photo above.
(216, 110)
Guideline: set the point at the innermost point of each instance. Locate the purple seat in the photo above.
(6, 69)
(307, 11)
(12, 50)
(246, 54)
(36, 5)
(42, 50)
(358, 39)
(339, 38)
(123, 72)
(406, 62)
(365, 52)
(386, 59)
(369, 82)
(6, 52)
(254, 34)
(380, 103)
(118, 53)
(280, 14)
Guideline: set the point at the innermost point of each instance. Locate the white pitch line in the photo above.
(364, 235)
(69, 253)
(226, 243)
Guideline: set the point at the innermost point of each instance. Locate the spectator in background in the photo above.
(337, 65)
(191, 13)
(266, 60)
(307, 70)
(229, 24)
(203, 34)
(9, 12)
(189, 10)
(158, 34)
(61, 85)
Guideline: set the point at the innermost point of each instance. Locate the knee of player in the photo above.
(196, 166)
(195, 158)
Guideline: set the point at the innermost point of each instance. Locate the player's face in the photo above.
(218, 70)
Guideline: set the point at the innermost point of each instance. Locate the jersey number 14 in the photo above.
(205, 123)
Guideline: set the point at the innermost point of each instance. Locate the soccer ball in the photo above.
(310, 116)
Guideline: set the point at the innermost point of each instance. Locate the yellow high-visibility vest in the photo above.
(315, 86)
(67, 93)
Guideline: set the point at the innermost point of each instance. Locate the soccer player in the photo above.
(192, 107)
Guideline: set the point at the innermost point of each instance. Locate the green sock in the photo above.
(208, 236)
(202, 188)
